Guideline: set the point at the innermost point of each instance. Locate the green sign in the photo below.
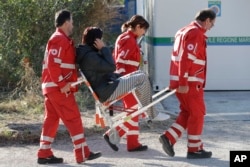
(216, 6)
(228, 41)
(168, 41)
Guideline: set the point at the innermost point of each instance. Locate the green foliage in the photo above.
(26, 26)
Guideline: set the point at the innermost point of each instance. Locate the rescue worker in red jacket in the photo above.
(127, 57)
(188, 76)
(59, 71)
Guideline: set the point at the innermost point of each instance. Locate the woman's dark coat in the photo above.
(98, 67)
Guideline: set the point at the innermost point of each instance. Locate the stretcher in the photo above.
(102, 116)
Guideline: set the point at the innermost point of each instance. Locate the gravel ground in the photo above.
(227, 127)
(216, 139)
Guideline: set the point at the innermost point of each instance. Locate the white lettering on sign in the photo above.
(244, 39)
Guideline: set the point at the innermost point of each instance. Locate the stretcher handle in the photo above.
(161, 92)
(80, 80)
(143, 109)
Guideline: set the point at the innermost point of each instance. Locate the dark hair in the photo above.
(90, 34)
(61, 17)
(135, 20)
(204, 14)
(124, 27)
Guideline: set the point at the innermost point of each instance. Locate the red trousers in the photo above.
(61, 106)
(131, 127)
(191, 118)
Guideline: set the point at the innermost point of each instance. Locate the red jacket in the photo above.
(188, 60)
(59, 63)
(127, 53)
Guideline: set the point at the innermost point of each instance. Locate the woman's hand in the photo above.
(99, 44)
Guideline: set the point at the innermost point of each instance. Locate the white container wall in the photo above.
(228, 43)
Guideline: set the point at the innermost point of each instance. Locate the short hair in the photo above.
(90, 34)
(203, 14)
(61, 17)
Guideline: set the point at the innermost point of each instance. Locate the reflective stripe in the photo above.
(178, 58)
(200, 62)
(49, 84)
(81, 145)
(57, 60)
(175, 58)
(194, 137)
(133, 108)
(68, 66)
(195, 60)
(59, 51)
(47, 138)
(190, 78)
(191, 57)
(195, 48)
(173, 133)
(194, 79)
(123, 127)
(132, 123)
(60, 78)
(198, 144)
(45, 66)
(133, 132)
(120, 70)
(77, 137)
(64, 65)
(179, 127)
(174, 77)
(128, 62)
(45, 146)
(185, 75)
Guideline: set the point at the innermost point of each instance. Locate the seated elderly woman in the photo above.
(96, 62)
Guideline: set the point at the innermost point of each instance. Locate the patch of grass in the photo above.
(21, 111)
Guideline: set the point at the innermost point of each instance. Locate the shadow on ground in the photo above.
(19, 133)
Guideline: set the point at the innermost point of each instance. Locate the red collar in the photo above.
(132, 34)
(195, 23)
(62, 32)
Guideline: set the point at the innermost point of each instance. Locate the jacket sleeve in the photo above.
(190, 44)
(128, 57)
(55, 55)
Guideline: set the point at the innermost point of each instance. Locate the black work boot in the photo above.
(113, 146)
(140, 148)
(167, 147)
(50, 160)
(93, 155)
(199, 154)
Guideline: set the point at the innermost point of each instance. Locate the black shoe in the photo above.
(199, 154)
(50, 160)
(167, 147)
(94, 155)
(113, 146)
(140, 148)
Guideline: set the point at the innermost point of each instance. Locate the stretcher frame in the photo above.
(102, 116)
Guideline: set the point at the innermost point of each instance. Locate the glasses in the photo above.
(211, 22)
